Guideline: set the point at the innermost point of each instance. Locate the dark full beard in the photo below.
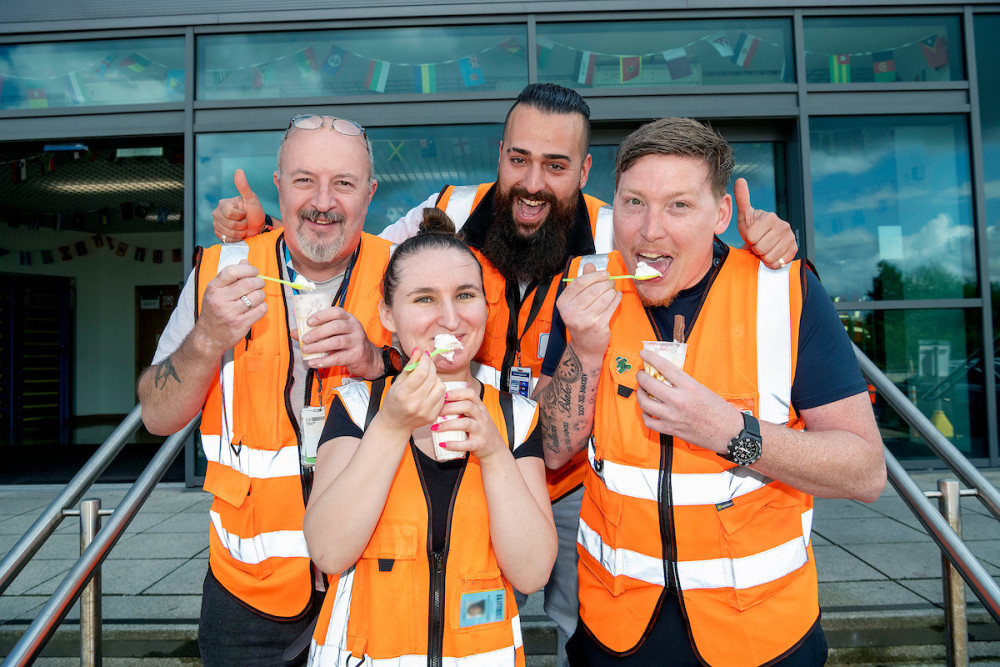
(538, 256)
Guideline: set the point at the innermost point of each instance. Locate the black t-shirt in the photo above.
(440, 477)
(827, 370)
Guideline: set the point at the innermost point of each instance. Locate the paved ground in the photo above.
(874, 561)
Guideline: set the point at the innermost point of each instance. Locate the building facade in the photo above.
(873, 128)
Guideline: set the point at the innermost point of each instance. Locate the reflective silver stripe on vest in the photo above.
(257, 549)
(622, 562)
(599, 261)
(255, 463)
(688, 489)
(739, 573)
(460, 204)
(486, 374)
(229, 254)
(333, 652)
(774, 344)
(604, 232)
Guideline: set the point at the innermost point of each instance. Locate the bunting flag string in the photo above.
(97, 242)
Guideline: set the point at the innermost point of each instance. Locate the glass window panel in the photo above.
(93, 73)
(411, 164)
(988, 68)
(892, 213)
(362, 62)
(654, 53)
(934, 356)
(883, 49)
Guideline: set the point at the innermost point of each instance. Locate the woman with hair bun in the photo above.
(424, 550)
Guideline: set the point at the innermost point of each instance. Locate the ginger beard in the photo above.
(526, 257)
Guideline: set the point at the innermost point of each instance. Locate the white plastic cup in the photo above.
(440, 453)
(670, 350)
(305, 305)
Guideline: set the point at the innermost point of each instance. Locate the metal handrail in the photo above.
(44, 626)
(46, 524)
(950, 543)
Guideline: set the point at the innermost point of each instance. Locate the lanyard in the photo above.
(513, 296)
(338, 300)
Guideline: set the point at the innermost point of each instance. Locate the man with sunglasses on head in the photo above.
(232, 351)
(526, 225)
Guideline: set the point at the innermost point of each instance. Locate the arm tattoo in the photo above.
(164, 372)
(556, 403)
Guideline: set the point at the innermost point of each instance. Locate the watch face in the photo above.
(744, 450)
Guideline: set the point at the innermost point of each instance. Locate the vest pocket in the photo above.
(600, 539)
(385, 596)
(258, 405)
(750, 528)
(243, 536)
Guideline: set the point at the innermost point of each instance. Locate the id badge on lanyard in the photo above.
(313, 418)
(520, 380)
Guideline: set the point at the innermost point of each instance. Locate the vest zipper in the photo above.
(666, 514)
(435, 650)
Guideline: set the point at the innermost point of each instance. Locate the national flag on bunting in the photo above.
(140, 254)
(64, 254)
(677, 63)
(428, 148)
(37, 98)
(135, 62)
(75, 88)
(472, 73)
(47, 257)
(81, 248)
(884, 65)
(378, 74)
(425, 78)
(840, 68)
(218, 76)
(104, 216)
(102, 67)
(98, 240)
(586, 61)
(629, 67)
(162, 214)
(176, 255)
(461, 145)
(544, 52)
(259, 73)
(19, 171)
(121, 249)
(175, 82)
(157, 257)
(25, 257)
(746, 49)
(720, 43)
(306, 58)
(512, 47)
(935, 50)
(334, 59)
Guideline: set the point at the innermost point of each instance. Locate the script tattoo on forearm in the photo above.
(164, 372)
(556, 403)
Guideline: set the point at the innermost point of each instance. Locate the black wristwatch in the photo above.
(746, 448)
(392, 362)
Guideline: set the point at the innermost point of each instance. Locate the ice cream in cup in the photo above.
(446, 344)
(670, 350)
(438, 437)
(305, 305)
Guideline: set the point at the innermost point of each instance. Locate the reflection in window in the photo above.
(883, 49)
(892, 209)
(411, 164)
(987, 27)
(935, 358)
(657, 53)
(92, 73)
(362, 62)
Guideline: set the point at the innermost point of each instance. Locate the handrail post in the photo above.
(949, 503)
(90, 599)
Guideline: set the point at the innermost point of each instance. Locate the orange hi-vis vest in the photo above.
(497, 354)
(401, 604)
(659, 513)
(251, 440)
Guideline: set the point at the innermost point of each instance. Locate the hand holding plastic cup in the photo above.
(305, 305)
(440, 453)
(670, 350)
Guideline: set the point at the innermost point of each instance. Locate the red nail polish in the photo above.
(446, 396)
(442, 445)
(434, 427)
(414, 350)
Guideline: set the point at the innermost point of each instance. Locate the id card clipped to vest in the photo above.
(520, 380)
(313, 418)
(481, 607)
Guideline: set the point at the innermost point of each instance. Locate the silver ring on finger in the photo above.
(781, 262)
(246, 301)
(224, 238)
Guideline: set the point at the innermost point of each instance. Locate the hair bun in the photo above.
(436, 221)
